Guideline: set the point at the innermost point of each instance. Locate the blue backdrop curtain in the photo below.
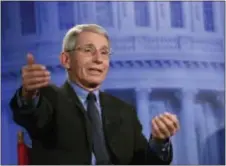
(185, 38)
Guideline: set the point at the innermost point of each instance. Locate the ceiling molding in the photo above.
(139, 65)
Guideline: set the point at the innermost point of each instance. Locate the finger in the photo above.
(34, 74)
(30, 59)
(37, 80)
(168, 123)
(162, 127)
(174, 121)
(155, 130)
(37, 86)
(34, 67)
(173, 118)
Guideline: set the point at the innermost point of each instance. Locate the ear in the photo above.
(65, 60)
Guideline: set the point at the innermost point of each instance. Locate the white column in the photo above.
(163, 16)
(176, 139)
(187, 121)
(218, 17)
(220, 98)
(142, 101)
(187, 11)
(222, 14)
(210, 144)
(209, 124)
(53, 21)
(197, 16)
(43, 18)
(200, 130)
(126, 17)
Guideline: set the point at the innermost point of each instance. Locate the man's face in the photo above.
(90, 62)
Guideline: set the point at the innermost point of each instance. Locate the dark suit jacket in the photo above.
(60, 131)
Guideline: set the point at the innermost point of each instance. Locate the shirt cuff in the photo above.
(22, 102)
(161, 148)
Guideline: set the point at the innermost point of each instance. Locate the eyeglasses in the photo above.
(91, 49)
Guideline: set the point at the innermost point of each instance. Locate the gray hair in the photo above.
(69, 41)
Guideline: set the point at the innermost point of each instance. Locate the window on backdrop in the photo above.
(66, 15)
(28, 21)
(104, 13)
(5, 18)
(142, 14)
(83, 12)
(208, 16)
(176, 14)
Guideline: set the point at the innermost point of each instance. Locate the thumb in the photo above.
(30, 59)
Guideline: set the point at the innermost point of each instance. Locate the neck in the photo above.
(88, 87)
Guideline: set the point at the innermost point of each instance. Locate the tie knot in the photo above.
(91, 97)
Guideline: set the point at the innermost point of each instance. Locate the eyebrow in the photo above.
(103, 47)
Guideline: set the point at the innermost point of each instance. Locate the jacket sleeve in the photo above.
(144, 154)
(23, 103)
(36, 119)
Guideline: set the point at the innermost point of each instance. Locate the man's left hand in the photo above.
(164, 126)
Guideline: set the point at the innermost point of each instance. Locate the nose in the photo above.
(97, 57)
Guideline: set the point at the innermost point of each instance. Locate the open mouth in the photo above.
(95, 70)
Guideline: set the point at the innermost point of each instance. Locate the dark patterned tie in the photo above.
(99, 146)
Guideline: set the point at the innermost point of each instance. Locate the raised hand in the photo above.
(164, 126)
(34, 76)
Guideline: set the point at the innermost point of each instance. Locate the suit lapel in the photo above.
(73, 98)
(111, 121)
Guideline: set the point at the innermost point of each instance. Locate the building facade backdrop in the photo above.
(167, 56)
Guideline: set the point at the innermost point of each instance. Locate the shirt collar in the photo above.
(82, 93)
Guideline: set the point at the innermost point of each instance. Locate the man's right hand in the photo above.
(34, 77)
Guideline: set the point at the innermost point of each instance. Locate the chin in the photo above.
(93, 83)
(97, 82)
(95, 79)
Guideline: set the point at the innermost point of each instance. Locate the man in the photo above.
(78, 124)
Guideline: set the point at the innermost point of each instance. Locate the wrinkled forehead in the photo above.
(93, 38)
